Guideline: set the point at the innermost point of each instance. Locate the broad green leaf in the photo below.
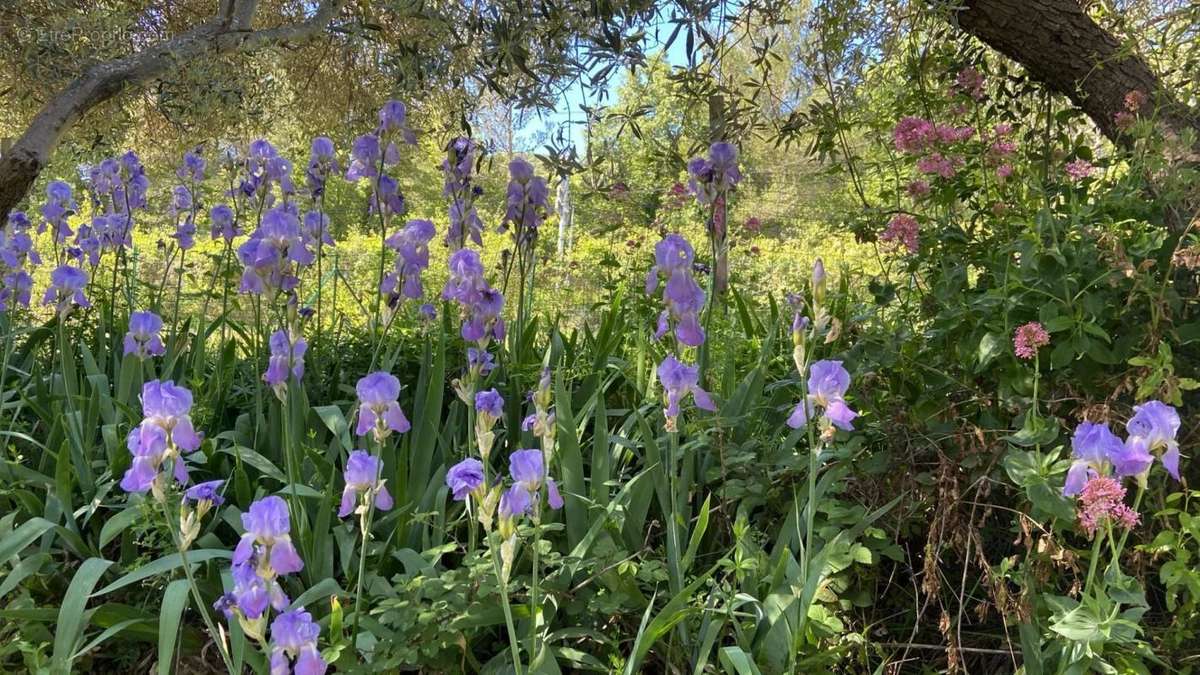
(174, 602)
(72, 617)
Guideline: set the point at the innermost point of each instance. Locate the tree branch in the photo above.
(227, 32)
(1062, 47)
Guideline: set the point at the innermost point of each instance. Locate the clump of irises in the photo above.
(411, 244)
(458, 170)
(1103, 459)
(17, 256)
(712, 180)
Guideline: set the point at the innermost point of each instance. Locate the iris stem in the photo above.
(508, 618)
(534, 608)
(362, 555)
(200, 604)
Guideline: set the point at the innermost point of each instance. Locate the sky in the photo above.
(568, 107)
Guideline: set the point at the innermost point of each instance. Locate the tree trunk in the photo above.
(229, 31)
(1060, 45)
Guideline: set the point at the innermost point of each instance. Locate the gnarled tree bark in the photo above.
(1062, 47)
(227, 32)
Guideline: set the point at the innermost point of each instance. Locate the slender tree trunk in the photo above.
(1062, 47)
(229, 31)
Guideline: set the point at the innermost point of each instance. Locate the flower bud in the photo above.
(818, 282)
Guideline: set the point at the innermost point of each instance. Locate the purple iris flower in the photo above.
(485, 320)
(268, 536)
(1093, 446)
(393, 117)
(251, 594)
(711, 178)
(15, 289)
(1155, 425)
(165, 431)
(516, 501)
(316, 229)
(828, 382)
(464, 218)
(465, 283)
(221, 219)
(411, 245)
(683, 297)
(679, 380)
(528, 471)
(87, 244)
(66, 289)
(364, 158)
(378, 409)
(464, 478)
(458, 165)
(148, 445)
(142, 339)
(58, 207)
(272, 251)
(362, 478)
(481, 359)
(489, 402)
(192, 168)
(386, 197)
(206, 492)
(321, 164)
(287, 357)
(294, 649)
(1132, 459)
(525, 201)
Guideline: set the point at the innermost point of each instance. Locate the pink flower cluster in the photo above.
(1134, 100)
(917, 189)
(1079, 169)
(937, 163)
(1028, 338)
(970, 82)
(913, 134)
(902, 230)
(1103, 500)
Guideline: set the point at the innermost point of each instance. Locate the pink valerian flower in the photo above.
(970, 82)
(1079, 169)
(914, 135)
(917, 189)
(1103, 501)
(1124, 120)
(1028, 338)
(1134, 100)
(1004, 171)
(936, 163)
(902, 230)
(1002, 147)
(948, 134)
(753, 224)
